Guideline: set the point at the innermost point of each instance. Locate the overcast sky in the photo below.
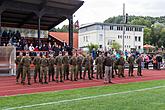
(99, 10)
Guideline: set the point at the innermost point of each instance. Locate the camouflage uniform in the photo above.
(26, 61)
(103, 67)
(139, 62)
(120, 64)
(131, 65)
(99, 62)
(19, 68)
(91, 66)
(51, 68)
(58, 62)
(114, 67)
(36, 62)
(79, 66)
(44, 69)
(65, 62)
(87, 67)
(73, 63)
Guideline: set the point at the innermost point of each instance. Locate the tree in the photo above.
(147, 35)
(141, 21)
(162, 39)
(115, 45)
(91, 46)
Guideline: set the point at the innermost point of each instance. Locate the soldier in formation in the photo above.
(19, 67)
(59, 72)
(131, 60)
(26, 61)
(65, 62)
(36, 62)
(99, 65)
(51, 68)
(44, 69)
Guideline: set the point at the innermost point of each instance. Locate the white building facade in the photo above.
(104, 34)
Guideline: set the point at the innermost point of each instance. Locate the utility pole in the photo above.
(123, 24)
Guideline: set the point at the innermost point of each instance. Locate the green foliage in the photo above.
(116, 46)
(65, 28)
(128, 101)
(91, 46)
(147, 35)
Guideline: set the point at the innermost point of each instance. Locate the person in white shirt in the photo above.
(31, 48)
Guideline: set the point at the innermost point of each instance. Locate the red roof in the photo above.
(64, 36)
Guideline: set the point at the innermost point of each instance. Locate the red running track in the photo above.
(8, 87)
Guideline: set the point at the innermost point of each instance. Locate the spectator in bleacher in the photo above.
(4, 44)
(56, 50)
(45, 48)
(18, 35)
(36, 48)
(31, 47)
(26, 47)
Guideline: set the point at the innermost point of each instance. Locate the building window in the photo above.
(84, 38)
(119, 28)
(140, 29)
(118, 36)
(139, 39)
(135, 38)
(100, 37)
(102, 27)
(139, 47)
(87, 38)
(127, 29)
(111, 27)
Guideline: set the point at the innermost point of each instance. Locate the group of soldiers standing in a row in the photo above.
(65, 67)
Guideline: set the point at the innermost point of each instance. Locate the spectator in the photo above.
(31, 48)
(147, 60)
(36, 48)
(94, 53)
(26, 47)
(159, 61)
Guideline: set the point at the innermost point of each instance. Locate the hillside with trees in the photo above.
(154, 31)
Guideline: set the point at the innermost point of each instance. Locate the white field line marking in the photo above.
(83, 98)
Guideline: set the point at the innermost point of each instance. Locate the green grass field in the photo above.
(131, 96)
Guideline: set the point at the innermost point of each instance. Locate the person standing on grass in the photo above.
(139, 61)
(36, 62)
(99, 65)
(131, 60)
(26, 61)
(44, 69)
(20, 67)
(108, 62)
